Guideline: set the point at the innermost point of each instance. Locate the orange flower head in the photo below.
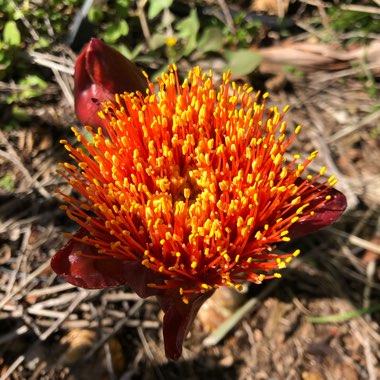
(192, 183)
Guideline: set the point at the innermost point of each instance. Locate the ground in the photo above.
(319, 322)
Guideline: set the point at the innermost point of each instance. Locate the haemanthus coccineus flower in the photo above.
(185, 191)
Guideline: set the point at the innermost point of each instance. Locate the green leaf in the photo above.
(121, 8)
(20, 114)
(157, 6)
(123, 3)
(115, 31)
(130, 54)
(211, 39)
(11, 34)
(189, 26)
(95, 14)
(242, 62)
(188, 30)
(33, 81)
(344, 316)
(157, 40)
(7, 182)
(34, 86)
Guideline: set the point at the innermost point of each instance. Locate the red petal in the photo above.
(111, 70)
(101, 72)
(72, 264)
(178, 319)
(323, 216)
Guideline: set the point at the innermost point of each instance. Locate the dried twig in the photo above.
(360, 8)
(116, 328)
(50, 290)
(52, 62)
(82, 296)
(149, 353)
(64, 87)
(143, 22)
(365, 244)
(227, 16)
(30, 278)
(25, 21)
(369, 119)
(12, 156)
(325, 152)
(13, 334)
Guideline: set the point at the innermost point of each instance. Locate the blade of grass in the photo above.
(334, 318)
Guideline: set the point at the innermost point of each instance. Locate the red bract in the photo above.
(100, 73)
(78, 264)
(186, 191)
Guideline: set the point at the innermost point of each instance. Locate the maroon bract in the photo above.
(100, 73)
(78, 264)
(186, 191)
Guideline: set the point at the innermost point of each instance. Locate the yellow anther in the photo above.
(277, 275)
(296, 200)
(223, 185)
(300, 209)
(250, 221)
(277, 159)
